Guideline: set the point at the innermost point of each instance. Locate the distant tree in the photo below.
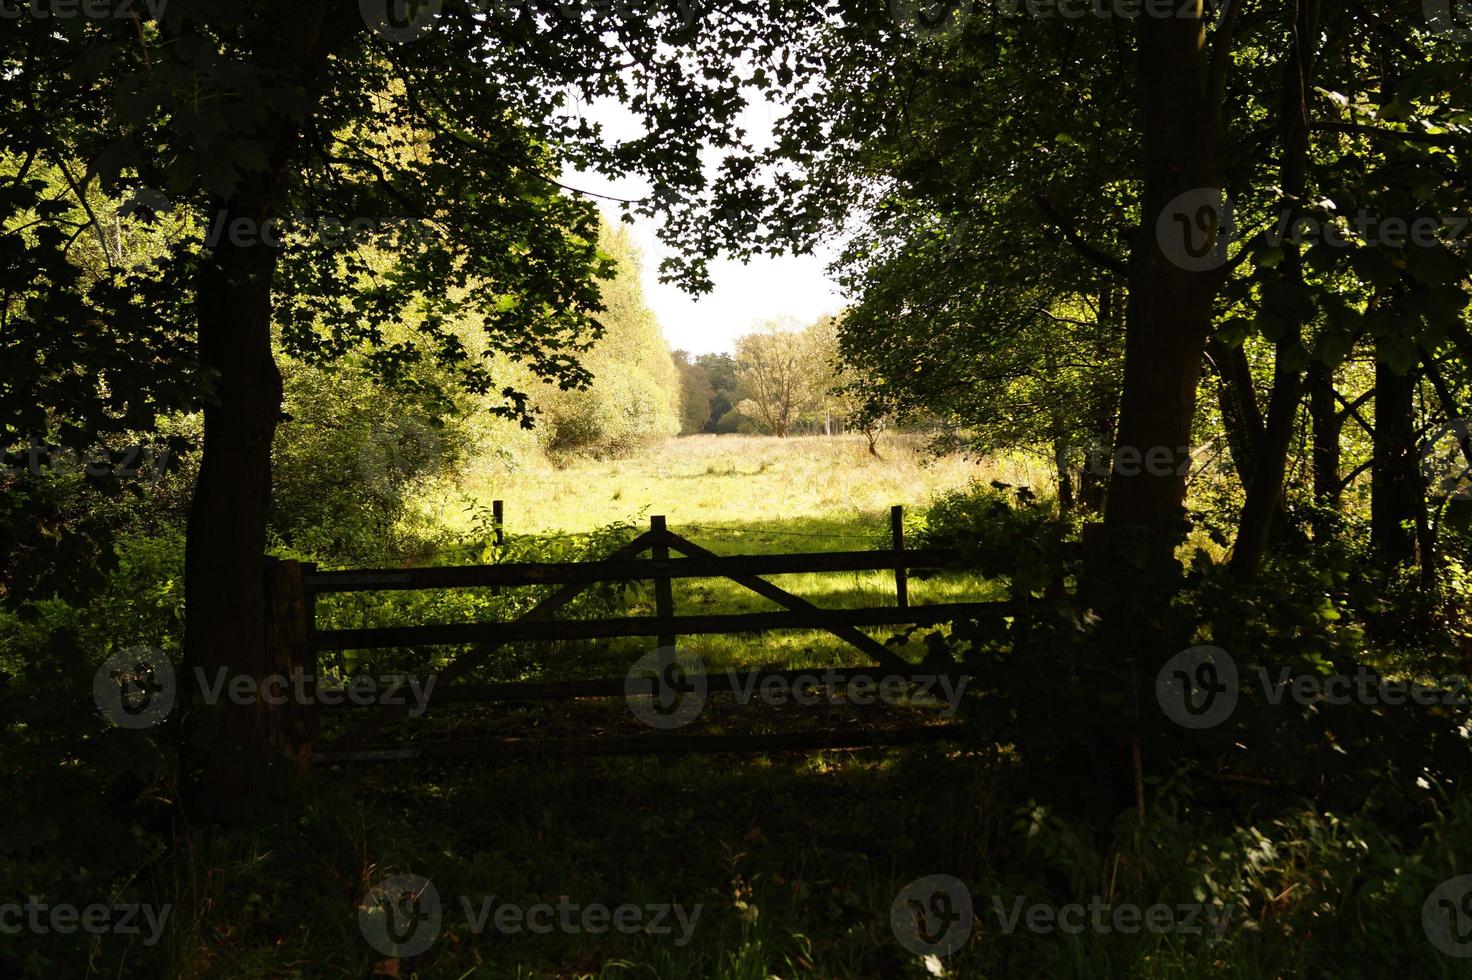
(721, 370)
(777, 375)
(697, 394)
(635, 395)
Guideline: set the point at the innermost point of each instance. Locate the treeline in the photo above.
(782, 379)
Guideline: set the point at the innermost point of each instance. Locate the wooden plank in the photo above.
(615, 687)
(612, 745)
(615, 570)
(841, 622)
(843, 629)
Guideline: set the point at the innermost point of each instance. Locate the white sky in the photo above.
(745, 294)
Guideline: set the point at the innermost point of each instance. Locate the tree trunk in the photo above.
(1270, 469)
(1241, 416)
(226, 753)
(1064, 470)
(1397, 494)
(1327, 424)
(1170, 306)
(224, 563)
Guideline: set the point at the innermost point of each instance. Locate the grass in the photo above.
(829, 488)
(738, 494)
(795, 859)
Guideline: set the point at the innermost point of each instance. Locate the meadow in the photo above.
(740, 494)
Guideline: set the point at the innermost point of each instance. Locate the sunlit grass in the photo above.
(750, 495)
(832, 484)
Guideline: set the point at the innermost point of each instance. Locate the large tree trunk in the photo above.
(1397, 494)
(224, 573)
(226, 752)
(1170, 306)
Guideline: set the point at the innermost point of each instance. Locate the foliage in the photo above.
(635, 394)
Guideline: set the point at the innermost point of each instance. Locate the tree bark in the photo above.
(224, 563)
(1397, 493)
(1327, 424)
(1271, 467)
(226, 753)
(1241, 416)
(1170, 307)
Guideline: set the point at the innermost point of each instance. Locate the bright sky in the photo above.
(745, 294)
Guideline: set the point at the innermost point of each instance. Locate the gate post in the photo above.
(291, 728)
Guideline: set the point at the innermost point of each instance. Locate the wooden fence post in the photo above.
(664, 596)
(291, 728)
(901, 573)
(498, 520)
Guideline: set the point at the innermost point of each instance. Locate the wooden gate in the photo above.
(296, 588)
